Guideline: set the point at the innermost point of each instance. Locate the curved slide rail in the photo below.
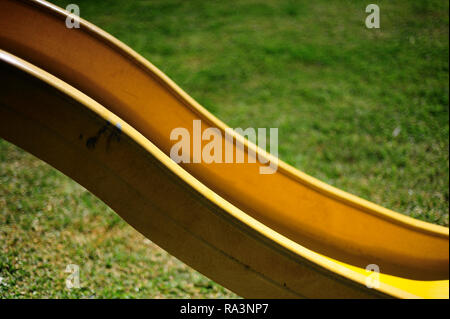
(411, 254)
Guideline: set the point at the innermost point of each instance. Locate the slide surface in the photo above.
(103, 115)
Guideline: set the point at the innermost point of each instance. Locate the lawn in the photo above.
(365, 110)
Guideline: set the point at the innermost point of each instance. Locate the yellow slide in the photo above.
(90, 106)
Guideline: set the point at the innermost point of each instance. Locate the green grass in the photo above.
(336, 90)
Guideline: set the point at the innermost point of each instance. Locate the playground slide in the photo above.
(284, 234)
